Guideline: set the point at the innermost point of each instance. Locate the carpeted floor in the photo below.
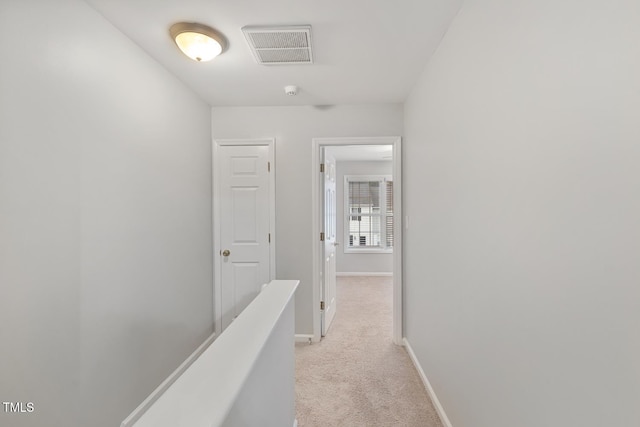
(356, 376)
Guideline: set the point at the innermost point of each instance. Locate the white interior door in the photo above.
(243, 226)
(330, 243)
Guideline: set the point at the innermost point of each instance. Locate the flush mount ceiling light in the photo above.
(199, 42)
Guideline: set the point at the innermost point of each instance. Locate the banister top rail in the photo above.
(205, 393)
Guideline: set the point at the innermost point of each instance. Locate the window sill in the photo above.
(368, 251)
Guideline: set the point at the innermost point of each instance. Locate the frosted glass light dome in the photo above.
(197, 41)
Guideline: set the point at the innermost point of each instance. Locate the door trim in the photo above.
(217, 285)
(316, 225)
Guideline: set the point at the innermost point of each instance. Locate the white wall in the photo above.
(294, 128)
(358, 262)
(105, 193)
(522, 186)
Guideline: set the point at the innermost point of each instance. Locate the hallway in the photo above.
(356, 376)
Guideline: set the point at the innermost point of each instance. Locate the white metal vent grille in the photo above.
(280, 45)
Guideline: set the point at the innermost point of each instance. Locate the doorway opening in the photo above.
(357, 220)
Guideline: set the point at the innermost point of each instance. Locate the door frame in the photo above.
(316, 225)
(217, 270)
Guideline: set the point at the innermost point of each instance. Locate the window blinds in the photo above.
(389, 213)
(370, 213)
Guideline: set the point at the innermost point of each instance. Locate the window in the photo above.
(368, 205)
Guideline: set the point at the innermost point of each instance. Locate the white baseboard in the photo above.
(295, 423)
(427, 385)
(155, 394)
(304, 338)
(358, 273)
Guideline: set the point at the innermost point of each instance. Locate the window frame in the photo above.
(383, 215)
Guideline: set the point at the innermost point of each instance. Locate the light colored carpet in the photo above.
(356, 376)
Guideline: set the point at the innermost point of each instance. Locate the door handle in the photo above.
(226, 252)
(336, 243)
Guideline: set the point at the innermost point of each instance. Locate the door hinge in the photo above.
(269, 237)
(322, 236)
(268, 166)
(321, 167)
(321, 305)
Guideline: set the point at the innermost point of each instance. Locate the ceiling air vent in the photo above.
(280, 45)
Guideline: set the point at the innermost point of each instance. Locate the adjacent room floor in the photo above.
(356, 376)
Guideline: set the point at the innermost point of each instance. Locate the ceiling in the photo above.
(371, 153)
(365, 51)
